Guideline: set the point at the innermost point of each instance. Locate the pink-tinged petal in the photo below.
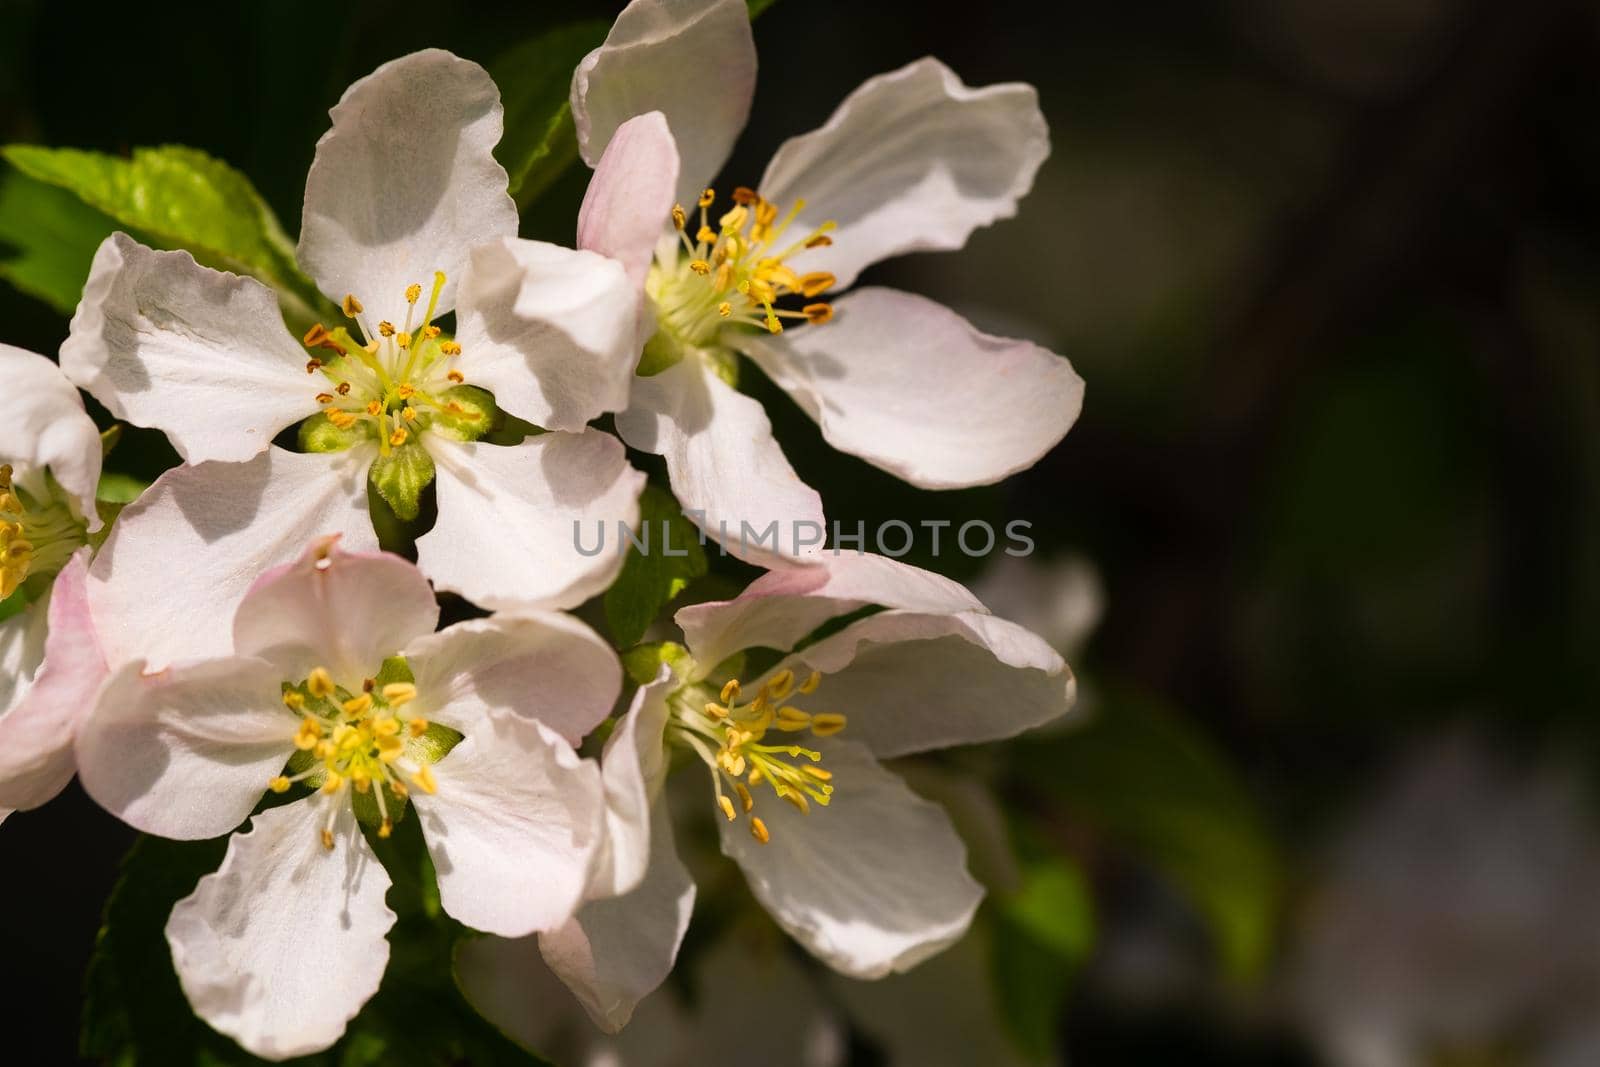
(913, 160)
(746, 967)
(286, 941)
(909, 682)
(692, 60)
(197, 353)
(513, 827)
(630, 197)
(872, 884)
(725, 466)
(911, 387)
(784, 605)
(169, 579)
(186, 752)
(345, 611)
(548, 331)
(405, 183)
(617, 951)
(43, 427)
(539, 666)
(510, 518)
(36, 736)
(22, 640)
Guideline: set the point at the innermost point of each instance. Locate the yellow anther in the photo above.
(792, 720)
(819, 281)
(809, 686)
(327, 840)
(324, 398)
(341, 418)
(406, 392)
(374, 408)
(450, 348)
(827, 724)
(403, 339)
(324, 750)
(319, 682)
(386, 727)
(706, 235)
(730, 691)
(408, 413)
(716, 711)
(391, 749)
(361, 781)
(431, 332)
(727, 807)
(817, 314)
(399, 693)
(417, 726)
(334, 783)
(456, 376)
(313, 365)
(279, 784)
(343, 388)
(700, 267)
(733, 220)
(758, 829)
(820, 240)
(766, 212)
(707, 197)
(779, 685)
(398, 788)
(386, 328)
(744, 796)
(292, 700)
(386, 829)
(680, 217)
(314, 337)
(724, 309)
(352, 306)
(798, 799)
(310, 732)
(755, 777)
(358, 705)
(425, 780)
(398, 438)
(819, 773)
(413, 293)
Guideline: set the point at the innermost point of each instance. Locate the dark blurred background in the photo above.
(1331, 271)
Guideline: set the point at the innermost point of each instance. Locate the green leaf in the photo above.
(670, 558)
(1042, 935)
(47, 239)
(535, 80)
(643, 662)
(758, 6)
(401, 476)
(179, 197)
(1147, 779)
(115, 488)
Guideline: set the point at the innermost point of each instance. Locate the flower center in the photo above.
(729, 737)
(364, 742)
(736, 273)
(395, 383)
(37, 534)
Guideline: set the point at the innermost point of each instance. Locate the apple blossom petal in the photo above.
(197, 353)
(286, 941)
(510, 517)
(513, 827)
(913, 160)
(22, 644)
(549, 331)
(169, 579)
(538, 666)
(757, 969)
(726, 468)
(345, 611)
(909, 682)
(692, 60)
(43, 426)
(188, 751)
(872, 884)
(36, 735)
(785, 604)
(617, 951)
(632, 769)
(405, 183)
(630, 197)
(909, 386)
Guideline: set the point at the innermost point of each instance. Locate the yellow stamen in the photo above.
(279, 784)
(414, 293)
(399, 693)
(352, 306)
(386, 328)
(680, 217)
(327, 840)
(319, 683)
(827, 724)
(727, 807)
(358, 705)
(758, 829)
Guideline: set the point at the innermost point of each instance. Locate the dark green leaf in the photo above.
(47, 239)
(1145, 778)
(1042, 936)
(664, 559)
(643, 662)
(179, 197)
(535, 80)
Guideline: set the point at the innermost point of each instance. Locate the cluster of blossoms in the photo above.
(234, 648)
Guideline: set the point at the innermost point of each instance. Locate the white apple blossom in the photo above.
(340, 693)
(912, 160)
(50, 660)
(406, 218)
(850, 862)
